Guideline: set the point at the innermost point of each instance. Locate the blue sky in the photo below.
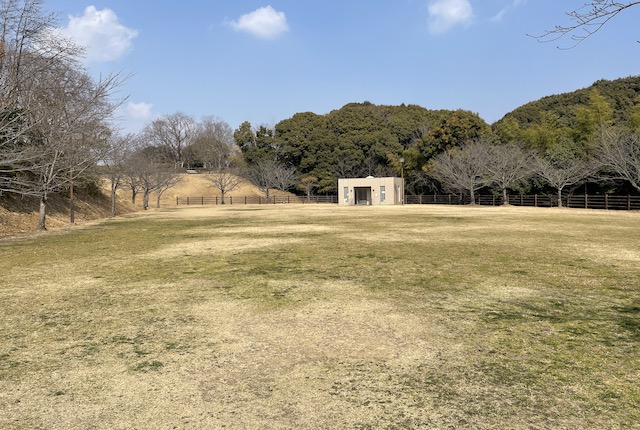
(263, 61)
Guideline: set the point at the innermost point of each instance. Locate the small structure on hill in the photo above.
(371, 191)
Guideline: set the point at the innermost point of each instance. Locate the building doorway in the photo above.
(363, 195)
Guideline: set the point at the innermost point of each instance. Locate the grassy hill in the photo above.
(19, 215)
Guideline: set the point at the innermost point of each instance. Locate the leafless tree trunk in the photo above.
(165, 179)
(114, 159)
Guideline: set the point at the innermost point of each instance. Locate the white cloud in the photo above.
(498, 17)
(514, 4)
(139, 111)
(264, 22)
(101, 33)
(445, 14)
(132, 117)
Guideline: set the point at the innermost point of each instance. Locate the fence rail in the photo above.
(254, 200)
(600, 201)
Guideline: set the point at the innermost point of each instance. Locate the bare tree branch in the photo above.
(174, 132)
(225, 181)
(509, 166)
(462, 169)
(587, 20)
(563, 173)
(619, 153)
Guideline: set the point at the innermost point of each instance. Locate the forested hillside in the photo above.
(622, 95)
(557, 136)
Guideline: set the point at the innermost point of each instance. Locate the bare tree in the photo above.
(23, 46)
(225, 180)
(263, 175)
(462, 169)
(213, 144)
(285, 177)
(66, 111)
(619, 153)
(70, 133)
(587, 20)
(307, 184)
(133, 164)
(164, 180)
(147, 175)
(565, 172)
(53, 112)
(114, 158)
(172, 132)
(509, 166)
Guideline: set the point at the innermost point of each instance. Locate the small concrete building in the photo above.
(370, 191)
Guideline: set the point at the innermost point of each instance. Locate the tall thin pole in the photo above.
(402, 177)
(72, 209)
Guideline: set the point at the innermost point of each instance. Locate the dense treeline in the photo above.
(360, 139)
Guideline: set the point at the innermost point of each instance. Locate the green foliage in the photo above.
(590, 117)
(362, 139)
(634, 116)
(621, 95)
(245, 137)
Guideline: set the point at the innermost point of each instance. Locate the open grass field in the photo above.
(325, 317)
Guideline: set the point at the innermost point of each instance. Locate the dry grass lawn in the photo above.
(319, 316)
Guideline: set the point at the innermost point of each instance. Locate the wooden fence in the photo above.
(600, 201)
(255, 200)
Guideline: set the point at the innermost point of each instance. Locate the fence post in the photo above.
(177, 201)
(535, 200)
(187, 201)
(202, 201)
(521, 200)
(449, 198)
(586, 201)
(628, 202)
(606, 201)
(245, 200)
